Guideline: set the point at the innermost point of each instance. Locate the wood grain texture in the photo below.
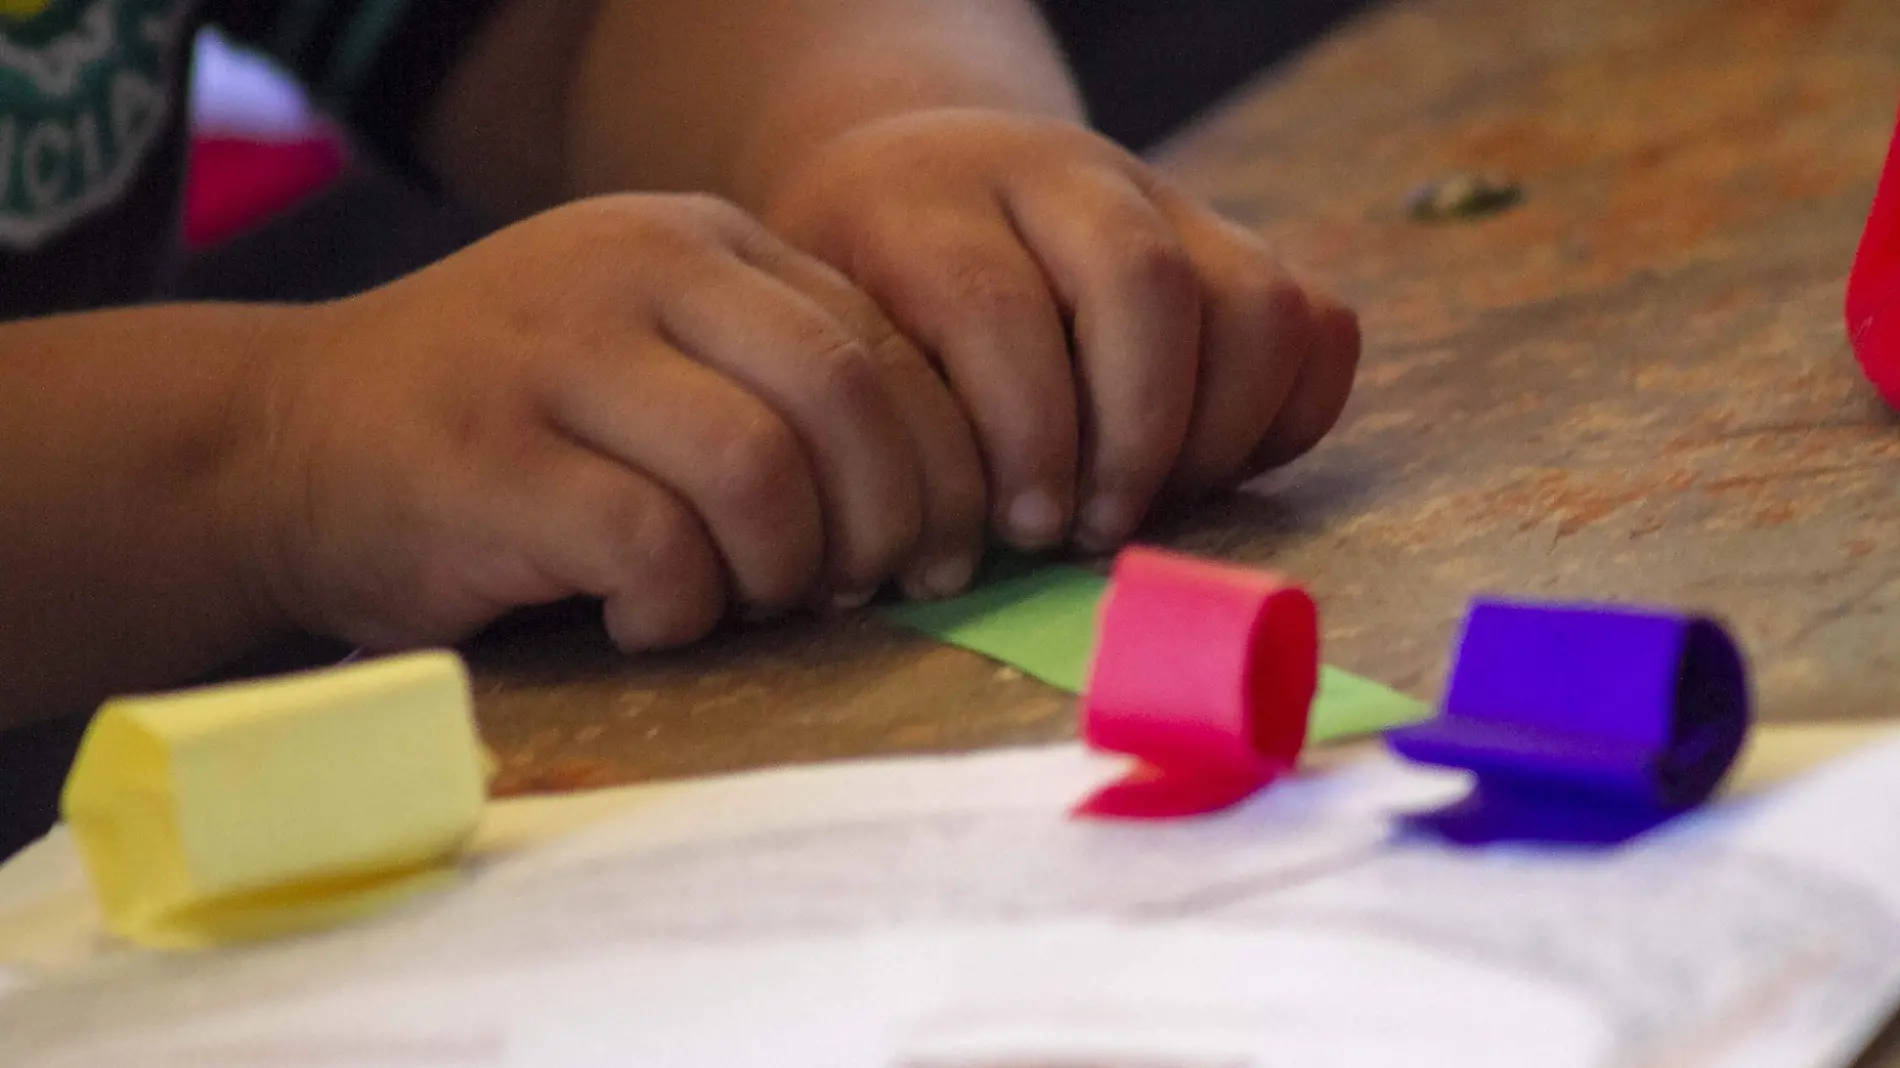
(1633, 386)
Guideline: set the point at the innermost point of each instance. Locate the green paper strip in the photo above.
(1041, 621)
(1349, 706)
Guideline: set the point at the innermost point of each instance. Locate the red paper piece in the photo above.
(1873, 290)
(236, 184)
(1205, 674)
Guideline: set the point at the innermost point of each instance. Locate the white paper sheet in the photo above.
(945, 913)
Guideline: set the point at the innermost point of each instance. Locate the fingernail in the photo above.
(1034, 520)
(1105, 524)
(940, 579)
(851, 600)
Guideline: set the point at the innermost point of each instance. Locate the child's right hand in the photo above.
(648, 399)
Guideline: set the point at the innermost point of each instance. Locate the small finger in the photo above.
(960, 282)
(1320, 392)
(1132, 286)
(720, 449)
(826, 384)
(587, 524)
(1258, 331)
(951, 541)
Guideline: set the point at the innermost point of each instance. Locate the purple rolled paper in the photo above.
(1578, 707)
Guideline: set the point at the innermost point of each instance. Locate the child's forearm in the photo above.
(755, 86)
(122, 563)
(562, 98)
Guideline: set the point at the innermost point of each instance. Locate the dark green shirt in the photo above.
(93, 114)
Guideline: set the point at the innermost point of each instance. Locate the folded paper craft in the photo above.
(1583, 723)
(1873, 289)
(1042, 619)
(1204, 673)
(258, 809)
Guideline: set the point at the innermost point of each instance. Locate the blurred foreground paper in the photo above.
(944, 913)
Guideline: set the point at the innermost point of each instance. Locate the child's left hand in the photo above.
(1111, 339)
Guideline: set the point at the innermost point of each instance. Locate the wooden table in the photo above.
(1635, 385)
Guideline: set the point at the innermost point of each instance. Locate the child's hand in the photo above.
(997, 242)
(647, 399)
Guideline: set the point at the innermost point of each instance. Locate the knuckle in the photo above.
(653, 227)
(1271, 305)
(1154, 263)
(844, 371)
(659, 544)
(668, 223)
(670, 589)
(977, 283)
(706, 212)
(758, 466)
(889, 347)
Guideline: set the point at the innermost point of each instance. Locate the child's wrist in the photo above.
(257, 519)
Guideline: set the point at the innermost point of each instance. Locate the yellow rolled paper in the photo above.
(256, 809)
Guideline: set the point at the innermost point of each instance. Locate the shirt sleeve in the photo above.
(376, 64)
